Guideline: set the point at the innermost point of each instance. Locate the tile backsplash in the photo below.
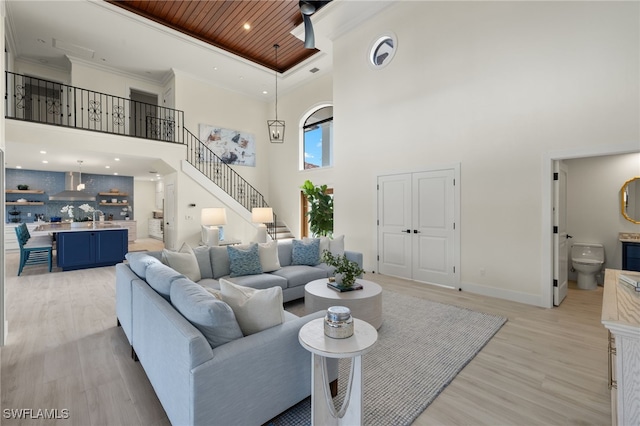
(53, 182)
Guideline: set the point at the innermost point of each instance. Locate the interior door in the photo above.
(169, 217)
(560, 237)
(433, 227)
(394, 225)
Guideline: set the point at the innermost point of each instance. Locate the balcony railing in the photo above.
(42, 101)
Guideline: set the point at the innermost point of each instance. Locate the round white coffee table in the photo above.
(313, 339)
(365, 304)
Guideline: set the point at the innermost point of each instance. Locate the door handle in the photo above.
(415, 231)
(408, 231)
(569, 236)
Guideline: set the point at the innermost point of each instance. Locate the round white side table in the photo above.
(365, 304)
(313, 339)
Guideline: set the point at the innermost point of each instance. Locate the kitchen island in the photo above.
(87, 244)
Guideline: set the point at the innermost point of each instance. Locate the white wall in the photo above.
(203, 103)
(287, 178)
(494, 86)
(593, 202)
(144, 202)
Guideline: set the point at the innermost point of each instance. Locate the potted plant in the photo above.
(346, 270)
(321, 209)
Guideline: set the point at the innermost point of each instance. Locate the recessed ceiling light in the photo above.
(247, 26)
(116, 159)
(264, 92)
(18, 167)
(45, 162)
(43, 152)
(107, 167)
(215, 68)
(115, 174)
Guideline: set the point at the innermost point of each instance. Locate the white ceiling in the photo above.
(48, 32)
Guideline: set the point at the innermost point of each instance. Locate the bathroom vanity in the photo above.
(630, 251)
(621, 317)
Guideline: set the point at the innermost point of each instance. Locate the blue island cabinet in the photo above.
(91, 248)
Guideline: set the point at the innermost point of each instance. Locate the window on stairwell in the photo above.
(317, 138)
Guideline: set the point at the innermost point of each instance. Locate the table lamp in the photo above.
(262, 215)
(210, 218)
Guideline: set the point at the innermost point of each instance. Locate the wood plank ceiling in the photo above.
(221, 23)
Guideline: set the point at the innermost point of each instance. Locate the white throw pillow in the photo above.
(269, 256)
(336, 245)
(324, 245)
(255, 310)
(183, 261)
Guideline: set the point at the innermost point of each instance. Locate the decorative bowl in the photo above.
(23, 187)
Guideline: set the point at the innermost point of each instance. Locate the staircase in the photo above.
(47, 102)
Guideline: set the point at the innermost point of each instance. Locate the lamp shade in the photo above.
(213, 216)
(262, 215)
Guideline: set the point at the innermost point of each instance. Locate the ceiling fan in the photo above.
(308, 8)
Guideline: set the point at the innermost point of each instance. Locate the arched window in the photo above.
(317, 139)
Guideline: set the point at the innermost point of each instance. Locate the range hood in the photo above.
(70, 193)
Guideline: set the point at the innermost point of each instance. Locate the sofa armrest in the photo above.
(354, 256)
(270, 369)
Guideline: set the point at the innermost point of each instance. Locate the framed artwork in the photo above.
(232, 146)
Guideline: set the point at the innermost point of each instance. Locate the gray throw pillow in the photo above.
(214, 318)
(219, 262)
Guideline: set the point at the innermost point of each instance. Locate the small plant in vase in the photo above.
(346, 270)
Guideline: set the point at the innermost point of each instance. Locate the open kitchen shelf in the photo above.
(24, 191)
(24, 203)
(114, 194)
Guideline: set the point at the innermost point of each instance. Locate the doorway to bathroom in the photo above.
(592, 209)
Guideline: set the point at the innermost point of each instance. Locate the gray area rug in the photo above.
(422, 345)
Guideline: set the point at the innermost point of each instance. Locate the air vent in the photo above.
(314, 70)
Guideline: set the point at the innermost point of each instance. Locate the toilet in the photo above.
(587, 260)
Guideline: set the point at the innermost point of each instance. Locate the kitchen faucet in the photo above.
(94, 216)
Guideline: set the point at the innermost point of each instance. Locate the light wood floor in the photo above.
(544, 367)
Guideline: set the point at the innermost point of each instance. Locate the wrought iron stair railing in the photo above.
(200, 156)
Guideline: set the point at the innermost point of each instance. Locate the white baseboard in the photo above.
(500, 293)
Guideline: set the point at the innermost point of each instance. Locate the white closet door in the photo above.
(394, 225)
(433, 227)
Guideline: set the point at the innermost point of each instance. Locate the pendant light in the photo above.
(276, 127)
(80, 186)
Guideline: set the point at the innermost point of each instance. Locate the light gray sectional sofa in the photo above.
(234, 380)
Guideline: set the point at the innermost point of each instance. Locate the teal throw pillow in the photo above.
(305, 252)
(244, 260)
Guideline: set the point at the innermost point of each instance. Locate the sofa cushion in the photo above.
(300, 274)
(213, 317)
(255, 310)
(284, 252)
(160, 277)
(269, 256)
(305, 252)
(139, 262)
(204, 261)
(244, 260)
(183, 261)
(219, 261)
(259, 281)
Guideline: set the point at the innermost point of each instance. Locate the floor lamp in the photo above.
(210, 219)
(262, 215)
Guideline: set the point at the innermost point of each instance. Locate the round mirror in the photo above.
(630, 200)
